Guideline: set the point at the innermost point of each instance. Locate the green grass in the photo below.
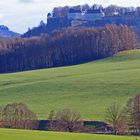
(88, 88)
(6, 134)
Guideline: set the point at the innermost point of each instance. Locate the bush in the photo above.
(65, 120)
(17, 115)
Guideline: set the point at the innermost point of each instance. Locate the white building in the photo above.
(92, 15)
(89, 15)
(74, 14)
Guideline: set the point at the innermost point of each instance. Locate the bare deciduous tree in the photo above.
(133, 112)
(65, 120)
(17, 115)
(116, 118)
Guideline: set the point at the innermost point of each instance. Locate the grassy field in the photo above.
(6, 134)
(88, 88)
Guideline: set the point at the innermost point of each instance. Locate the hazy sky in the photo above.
(18, 15)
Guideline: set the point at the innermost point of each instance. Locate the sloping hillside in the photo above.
(87, 88)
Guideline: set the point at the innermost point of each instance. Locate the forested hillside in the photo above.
(65, 47)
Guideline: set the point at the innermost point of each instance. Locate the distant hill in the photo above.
(6, 33)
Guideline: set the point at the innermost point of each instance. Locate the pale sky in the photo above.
(18, 15)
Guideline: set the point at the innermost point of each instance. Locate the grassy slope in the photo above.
(88, 88)
(6, 134)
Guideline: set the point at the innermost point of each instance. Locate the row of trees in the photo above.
(19, 116)
(119, 120)
(127, 119)
(65, 47)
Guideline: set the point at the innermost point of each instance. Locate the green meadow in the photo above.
(88, 88)
(6, 134)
